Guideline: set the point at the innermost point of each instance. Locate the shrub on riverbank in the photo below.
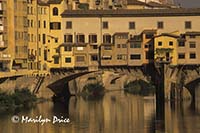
(22, 98)
(139, 87)
(93, 91)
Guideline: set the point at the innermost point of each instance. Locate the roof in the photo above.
(133, 12)
(121, 33)
(47, 2)
(135, 2)
(167, 34)
(54, 1)
(149, 31)
(155, 4)
(193, 33)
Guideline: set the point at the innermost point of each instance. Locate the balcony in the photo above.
(165, 60)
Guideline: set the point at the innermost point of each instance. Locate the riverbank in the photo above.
(18, 100)
(140, 87)
(93, 91)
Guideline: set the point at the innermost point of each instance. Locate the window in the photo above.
(95, 47)
(181, 56)
(39, 23)
(131, 25)
(170, 43)
(188, 25)
(56, 60)
(106, 58)
(94, 57)
(44, 24)
(118, 45)
(67, 48)
(43, 38)
(56, 40)
(45, 55)
(31, 23)
(135, 56)
(149, 35)
(107, 47)
(92, 38)
(68, 38)
(181, 44)
(80, 58)
(67, 60)
(55, 11)
(57, 50)
(192, 55)
(159, 43)
(160, 25)
(135, 45)
(105, 25)
(55, 25)
(192, 44)
(39, 37)
(124, 46)
(192, 36)
(106, 38)
(80, 38)
(121, 57)
(69, 25)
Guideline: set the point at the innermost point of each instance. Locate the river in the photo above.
(116, 112)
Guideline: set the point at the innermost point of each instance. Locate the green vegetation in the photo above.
(21, 98)
(93, 91)
(139, 87)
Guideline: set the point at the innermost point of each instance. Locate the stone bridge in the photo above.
(181, 81)
(72, 81)
(112, 79)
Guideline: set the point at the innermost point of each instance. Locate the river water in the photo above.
(116, 112)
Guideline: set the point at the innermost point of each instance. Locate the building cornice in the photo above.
(133, 13)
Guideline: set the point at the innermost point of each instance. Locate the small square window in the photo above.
(181, 44)
(56, 40)
(124, 46)
(105, 25)
(118, 45)
(188, 25)
(69, 25)
(95, 47)
(181, 56)
(160, 25)
(170, 43)
(159, 43)
(131, 25)
(94, 57)
(68, 60)
(192, 44)
(192, 55)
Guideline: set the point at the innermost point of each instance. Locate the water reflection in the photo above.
(115, 113)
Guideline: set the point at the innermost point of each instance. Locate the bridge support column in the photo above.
(160, 98)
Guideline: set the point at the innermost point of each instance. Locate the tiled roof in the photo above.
(167, 34)
(135, 2)
(155, 4)
(54, 1)
(133, 12)
(192, 33)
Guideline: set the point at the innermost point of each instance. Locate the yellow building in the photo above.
(14, 54)
(165, 48)
(32, 34)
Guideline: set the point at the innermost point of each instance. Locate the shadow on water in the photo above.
(61, 108)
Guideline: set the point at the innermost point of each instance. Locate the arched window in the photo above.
(55, 11)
